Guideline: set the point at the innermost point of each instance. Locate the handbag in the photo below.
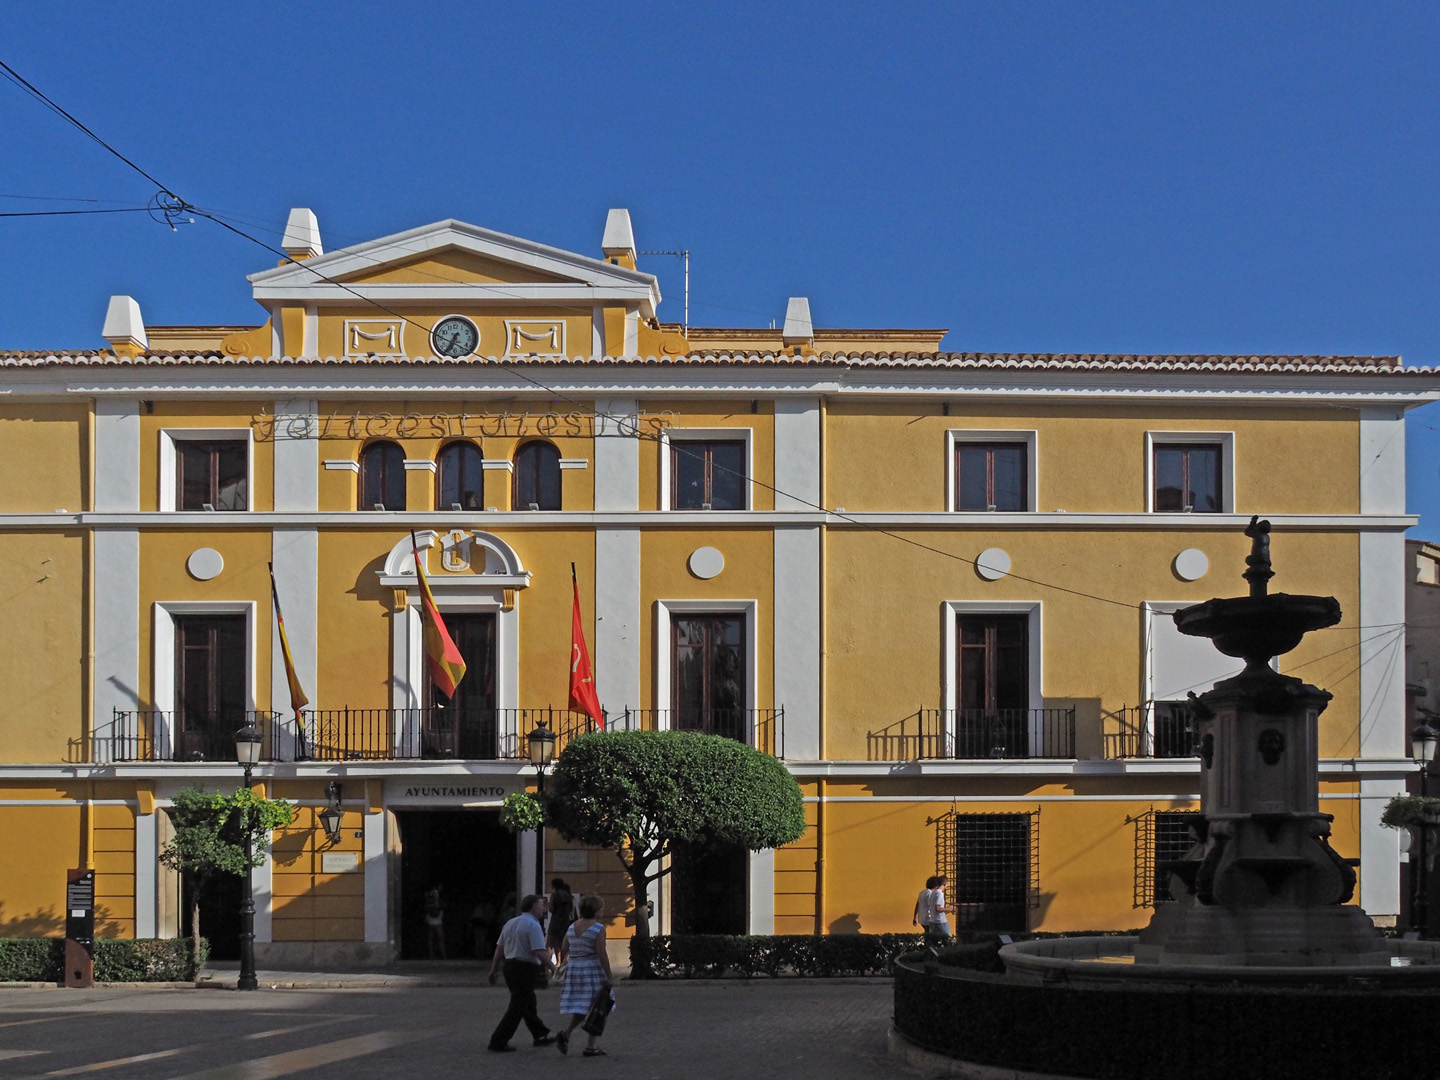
(599, 1011)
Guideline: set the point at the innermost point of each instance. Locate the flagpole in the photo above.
(302, 752)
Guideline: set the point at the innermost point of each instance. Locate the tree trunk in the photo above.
(195, 887)
(640, 965)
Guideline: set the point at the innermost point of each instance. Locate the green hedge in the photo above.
(116, 960)
(689, 956)
(1165, 1031)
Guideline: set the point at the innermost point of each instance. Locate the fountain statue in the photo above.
(1262, 886)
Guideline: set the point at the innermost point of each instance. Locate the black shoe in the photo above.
(545, 1040)
(506, 1049)
(563, 1042)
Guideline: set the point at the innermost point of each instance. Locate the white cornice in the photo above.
(731, 519)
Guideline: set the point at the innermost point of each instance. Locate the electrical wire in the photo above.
(66, 213)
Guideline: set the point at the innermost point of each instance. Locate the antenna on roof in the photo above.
(679, 255)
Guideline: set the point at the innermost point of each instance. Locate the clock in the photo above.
(454, 336)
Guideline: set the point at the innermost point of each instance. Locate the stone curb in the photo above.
(904, 1052)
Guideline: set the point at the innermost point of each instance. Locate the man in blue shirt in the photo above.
(522, 950)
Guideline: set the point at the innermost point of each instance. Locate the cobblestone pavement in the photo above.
(671, 1030)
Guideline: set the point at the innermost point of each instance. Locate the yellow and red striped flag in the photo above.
(442, 658)
(582, 679)
(298, 700)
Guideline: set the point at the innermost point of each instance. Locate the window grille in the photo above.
(1162, 838)
(993, 863)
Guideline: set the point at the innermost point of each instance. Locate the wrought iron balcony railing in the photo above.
(976, 734)
(1160, 729)
(336, 734)
(763, 729)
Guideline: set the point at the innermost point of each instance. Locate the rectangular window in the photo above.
(1187, 478)
(992, 714)
(1173, 841)
(991, 476)
(707, 474)
(994, 879)
(465, 726)
(212, 475)
(707, 684)
(209, 685)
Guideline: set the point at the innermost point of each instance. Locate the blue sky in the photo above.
(1036, 177)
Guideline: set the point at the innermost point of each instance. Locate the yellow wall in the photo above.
(415, 335)
(1091, 459)
(309, 904)
(42, 667)
(44, 449)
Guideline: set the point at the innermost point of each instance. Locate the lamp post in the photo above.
(248, 742)
(1422, 749)
(542, 753)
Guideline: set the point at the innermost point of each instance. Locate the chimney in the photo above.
(124, 328)
(798, 331)
(619, 241)
(302, 235)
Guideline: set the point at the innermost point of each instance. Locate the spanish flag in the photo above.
(298, 700)
(582, 679)
(442, 658)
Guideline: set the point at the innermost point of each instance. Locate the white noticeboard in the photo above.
(339, 862)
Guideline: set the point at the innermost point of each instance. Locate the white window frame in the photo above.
(950, 611)
(665, 610)
(667, 435)
(169, 496)
(163, 661)
(956, 436)
(1223, 439)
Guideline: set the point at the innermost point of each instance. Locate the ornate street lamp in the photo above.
(332, 815)
(248, 744)
(1422, 750)
(542, 754)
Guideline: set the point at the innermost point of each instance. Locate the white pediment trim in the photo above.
(492, 562)
(599, 279)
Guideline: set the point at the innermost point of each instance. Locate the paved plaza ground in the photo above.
(790, 1028)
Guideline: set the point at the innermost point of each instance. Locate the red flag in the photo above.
(442, 658)
(582, 678)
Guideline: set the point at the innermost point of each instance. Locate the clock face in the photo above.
(454, 336)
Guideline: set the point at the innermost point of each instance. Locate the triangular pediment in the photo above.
(443, 260)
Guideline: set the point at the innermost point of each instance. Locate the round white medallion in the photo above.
(205, 563)
(706, 562)
(992, 564)
(1191, 565)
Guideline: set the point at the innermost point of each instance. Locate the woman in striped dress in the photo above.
(587, 970)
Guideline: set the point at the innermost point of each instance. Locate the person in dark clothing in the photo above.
(521, 949)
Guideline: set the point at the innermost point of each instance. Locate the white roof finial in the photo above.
(302, 235)
(619, 239)
(798, 329)
(124, 328)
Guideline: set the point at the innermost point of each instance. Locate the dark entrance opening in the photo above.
(219, 914)
(470, 857)
(709, 890)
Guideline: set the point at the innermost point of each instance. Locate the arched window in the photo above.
(382, 477)
(462, 477)
(537, 477)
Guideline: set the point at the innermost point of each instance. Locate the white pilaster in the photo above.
(295, 554)
(117, 638)
(617, 618)
(297, 456)
(617, 455)
(797, 640)
(797, 453)
(377, 880)
(1382, 461)
(1379, 851)
(147, 867)
(1382, 645)
(262, 880)
(117, 455)
(526, 879)
(762, 892)
(310, 332)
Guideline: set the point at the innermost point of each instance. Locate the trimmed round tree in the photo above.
(642, 793)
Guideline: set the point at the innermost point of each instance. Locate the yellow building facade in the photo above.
(936, 585)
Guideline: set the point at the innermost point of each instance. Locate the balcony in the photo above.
(1161, 729)
(975, 734)
(429, 734)
(338, 734)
